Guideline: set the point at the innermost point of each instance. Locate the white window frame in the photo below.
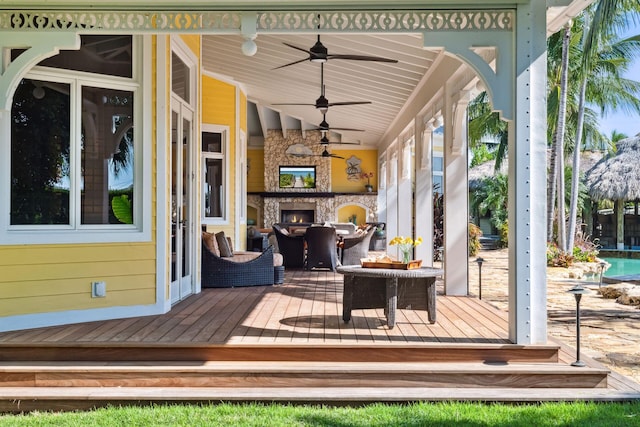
(75, 232)
(224, 155)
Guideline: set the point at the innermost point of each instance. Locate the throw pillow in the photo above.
(284, 231)
(210, 243)
(223, 244)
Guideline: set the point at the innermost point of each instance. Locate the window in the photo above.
(75, 156)
(214, 168)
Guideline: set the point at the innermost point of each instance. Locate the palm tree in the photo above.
(602, 56)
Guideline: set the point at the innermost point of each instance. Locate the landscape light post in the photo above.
(577, 292)
(479, 260)
(602, 265)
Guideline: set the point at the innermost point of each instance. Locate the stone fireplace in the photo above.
(316, 205)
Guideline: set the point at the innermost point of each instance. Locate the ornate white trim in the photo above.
(273, 21)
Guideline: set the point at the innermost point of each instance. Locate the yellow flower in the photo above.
(405, 244)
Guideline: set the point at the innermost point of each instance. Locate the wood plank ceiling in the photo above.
(387, 85)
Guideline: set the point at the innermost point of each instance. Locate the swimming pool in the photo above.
(622, 267)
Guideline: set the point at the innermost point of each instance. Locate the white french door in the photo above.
(183, 230)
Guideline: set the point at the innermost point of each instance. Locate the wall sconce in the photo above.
(577, 292)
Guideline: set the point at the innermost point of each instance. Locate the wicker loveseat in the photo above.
(241, 269)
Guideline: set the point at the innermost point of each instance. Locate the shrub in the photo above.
(474, 239)
(558, 258)
(584, 249)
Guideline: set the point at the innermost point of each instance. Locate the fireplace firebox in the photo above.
(297, 215)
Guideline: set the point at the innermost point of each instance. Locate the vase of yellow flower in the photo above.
(406, 245)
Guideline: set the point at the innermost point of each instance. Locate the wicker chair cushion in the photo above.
(210, 243)
(223, 244)
(242, 256)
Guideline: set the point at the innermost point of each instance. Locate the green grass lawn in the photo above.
(418, 414)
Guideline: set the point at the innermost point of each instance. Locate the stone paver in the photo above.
(610, 332)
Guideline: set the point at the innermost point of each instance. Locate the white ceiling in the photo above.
(387, 85)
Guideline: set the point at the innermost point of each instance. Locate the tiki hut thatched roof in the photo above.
(487, 169)
(484, 170)
(617, 175)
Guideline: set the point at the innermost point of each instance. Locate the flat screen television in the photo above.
(297, 177)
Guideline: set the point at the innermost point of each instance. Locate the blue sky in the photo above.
(628, 124)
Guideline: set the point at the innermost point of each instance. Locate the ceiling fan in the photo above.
(325, 141)
(324, 126)
(326, 153)
(319, 53)
(322, 103)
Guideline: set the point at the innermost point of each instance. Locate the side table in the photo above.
(389, 289)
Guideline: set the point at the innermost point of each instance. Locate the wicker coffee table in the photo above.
(389, 289)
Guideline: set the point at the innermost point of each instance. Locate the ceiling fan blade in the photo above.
(362, 58)
(335, 156)
(307, 51)
(293, 103)
(321, 128)
(331, 104)
(291, 63)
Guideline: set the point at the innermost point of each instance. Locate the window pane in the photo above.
(107, 156)
(213, 188)
(109, 55)
(437, 164)
(180, 78)
(212, 142)
(40, 148)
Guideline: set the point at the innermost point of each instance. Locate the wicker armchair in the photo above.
(321, 248)
(290, 247)
(219, 272)
(354, 248)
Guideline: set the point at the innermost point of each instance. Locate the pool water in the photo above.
(622, 267)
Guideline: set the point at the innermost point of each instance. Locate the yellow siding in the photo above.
(339, 181)
(49, 278)
(255, 180)
(193, 42)
(243, 112)
(219, 108)
(53, 278)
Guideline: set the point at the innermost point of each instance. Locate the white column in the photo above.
(424, 191)
(527, 181)
(456, 196)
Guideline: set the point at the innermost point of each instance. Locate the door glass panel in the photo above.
(174, 194)
(186, 138)
(180, 84)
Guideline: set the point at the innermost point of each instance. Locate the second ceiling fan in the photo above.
(322, 104)
(319, 53)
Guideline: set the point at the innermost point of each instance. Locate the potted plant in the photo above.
(367, 176)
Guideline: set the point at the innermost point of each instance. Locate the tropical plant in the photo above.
(474, 239)
(491, 197)
(483, 123)
(122, 209)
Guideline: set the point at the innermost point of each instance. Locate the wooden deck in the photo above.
(307, 309)
(289, 343)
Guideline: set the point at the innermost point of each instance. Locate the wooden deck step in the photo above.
(379, 352)
(25, 399)
(300, 374)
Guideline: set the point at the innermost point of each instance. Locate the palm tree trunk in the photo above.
(551, 189)
(562, 113)
(575, 174)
